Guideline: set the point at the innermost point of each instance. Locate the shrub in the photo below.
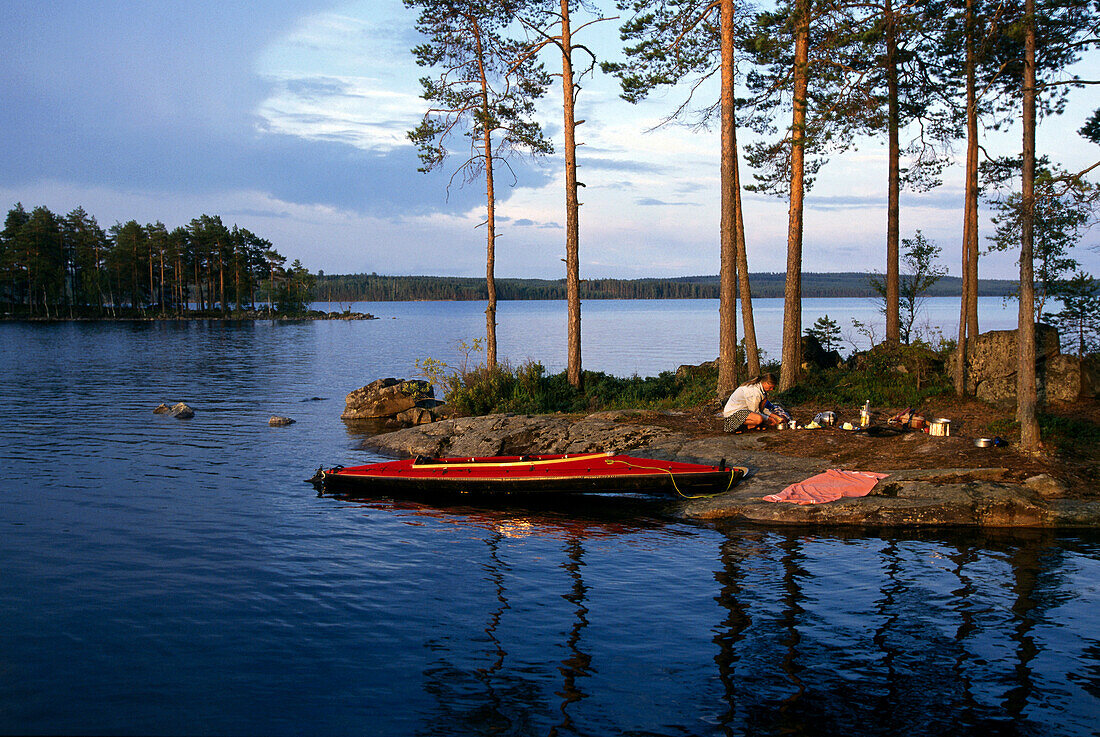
(527, 389)
(887, 375)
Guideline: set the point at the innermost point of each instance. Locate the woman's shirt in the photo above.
(751, 397)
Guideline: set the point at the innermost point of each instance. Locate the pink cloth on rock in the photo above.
(828, 487)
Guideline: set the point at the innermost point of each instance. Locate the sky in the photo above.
(291, 123)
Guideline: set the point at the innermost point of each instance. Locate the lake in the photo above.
(645, 337)
(160, 576)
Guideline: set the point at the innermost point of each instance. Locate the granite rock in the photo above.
(973, 497)
(385, 398)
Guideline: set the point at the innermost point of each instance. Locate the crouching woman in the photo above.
(748, 406)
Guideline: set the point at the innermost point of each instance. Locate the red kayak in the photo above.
(571, 473)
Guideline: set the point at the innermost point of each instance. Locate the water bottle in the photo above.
(865, 415)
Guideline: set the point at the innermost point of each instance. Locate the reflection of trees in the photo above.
(469, 700)
(1033, 583)
(919, 632)
(578, 662)
(889, 615)
(792, 598)
(964, 607)
(732, 632)
(946, 642)
(496, 699)
(495, 569)
(758, 659)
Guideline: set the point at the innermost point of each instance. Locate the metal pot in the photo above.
(940, 427)
(983, 442)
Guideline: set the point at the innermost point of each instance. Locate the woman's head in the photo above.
(767, 382)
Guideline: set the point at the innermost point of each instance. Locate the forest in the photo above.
(55, 266)
(381, 288)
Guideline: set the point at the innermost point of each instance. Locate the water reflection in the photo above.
(565, 517)
(926, 632)
(577, 663)
(918, 659)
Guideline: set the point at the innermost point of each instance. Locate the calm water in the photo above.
(160, 576)
(645, 337)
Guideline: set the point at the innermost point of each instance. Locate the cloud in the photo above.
(604, 163)
(943, 198)
(816, 201)
(318, 88)
(355, 110)
(653, 202)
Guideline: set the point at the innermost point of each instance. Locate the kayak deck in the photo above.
(562, 473)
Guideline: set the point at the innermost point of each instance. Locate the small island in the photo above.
(69, 268)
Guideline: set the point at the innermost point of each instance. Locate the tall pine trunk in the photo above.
(752, 353)
(490, 216)
(572, 206)
(221, 279)
(792, 294)
(1026, 394)
(893, 315)
(970, 219)
(490, 259)
(152, 287)
(727, 312)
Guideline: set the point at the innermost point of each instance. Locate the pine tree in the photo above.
(808, 55)
(551, 23)
(685, 40)
(1053, 33)
(971, 51)
(1078, 321)
(825, 331)
(900, 37)
(486, 89)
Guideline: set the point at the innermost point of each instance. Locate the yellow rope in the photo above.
(672, 476)
(509, 464)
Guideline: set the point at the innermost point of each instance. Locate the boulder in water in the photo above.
(181, 411)
(385, 398)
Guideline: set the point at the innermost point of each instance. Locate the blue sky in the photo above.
(290, 121)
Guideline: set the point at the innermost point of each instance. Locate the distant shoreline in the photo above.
(345, 288)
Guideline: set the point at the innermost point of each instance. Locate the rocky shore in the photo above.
(1003, 495)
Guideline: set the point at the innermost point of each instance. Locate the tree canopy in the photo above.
(69, 266)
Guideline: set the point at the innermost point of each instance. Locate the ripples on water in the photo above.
(177, 577)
